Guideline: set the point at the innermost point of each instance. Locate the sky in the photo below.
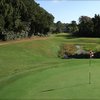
(69, 10)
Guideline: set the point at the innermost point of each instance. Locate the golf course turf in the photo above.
(31, 70)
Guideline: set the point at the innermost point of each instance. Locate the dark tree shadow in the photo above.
(67, 36)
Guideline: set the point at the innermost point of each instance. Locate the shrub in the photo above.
(13, 35)
(67, 50)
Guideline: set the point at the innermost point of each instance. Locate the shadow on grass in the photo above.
(72, 86)
(67, 36)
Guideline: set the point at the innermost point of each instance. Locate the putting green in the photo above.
(66, 79)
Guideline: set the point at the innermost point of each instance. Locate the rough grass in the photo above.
(32, 70)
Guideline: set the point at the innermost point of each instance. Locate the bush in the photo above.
(8, 36)
(67, 50)
(13, 36)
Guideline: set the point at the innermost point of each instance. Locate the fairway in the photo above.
(31, 70)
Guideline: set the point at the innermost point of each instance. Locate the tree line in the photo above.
(89, 27)
(23, 18)
(86, 27)
(60, 27)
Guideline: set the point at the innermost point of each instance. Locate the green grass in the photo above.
(31, 70)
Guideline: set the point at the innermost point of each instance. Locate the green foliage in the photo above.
(23, 15)
(12, 36)
(60, 27)
(89, 27)
(85, 26)
(72, 27)
(96, 21)
(2, 23)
